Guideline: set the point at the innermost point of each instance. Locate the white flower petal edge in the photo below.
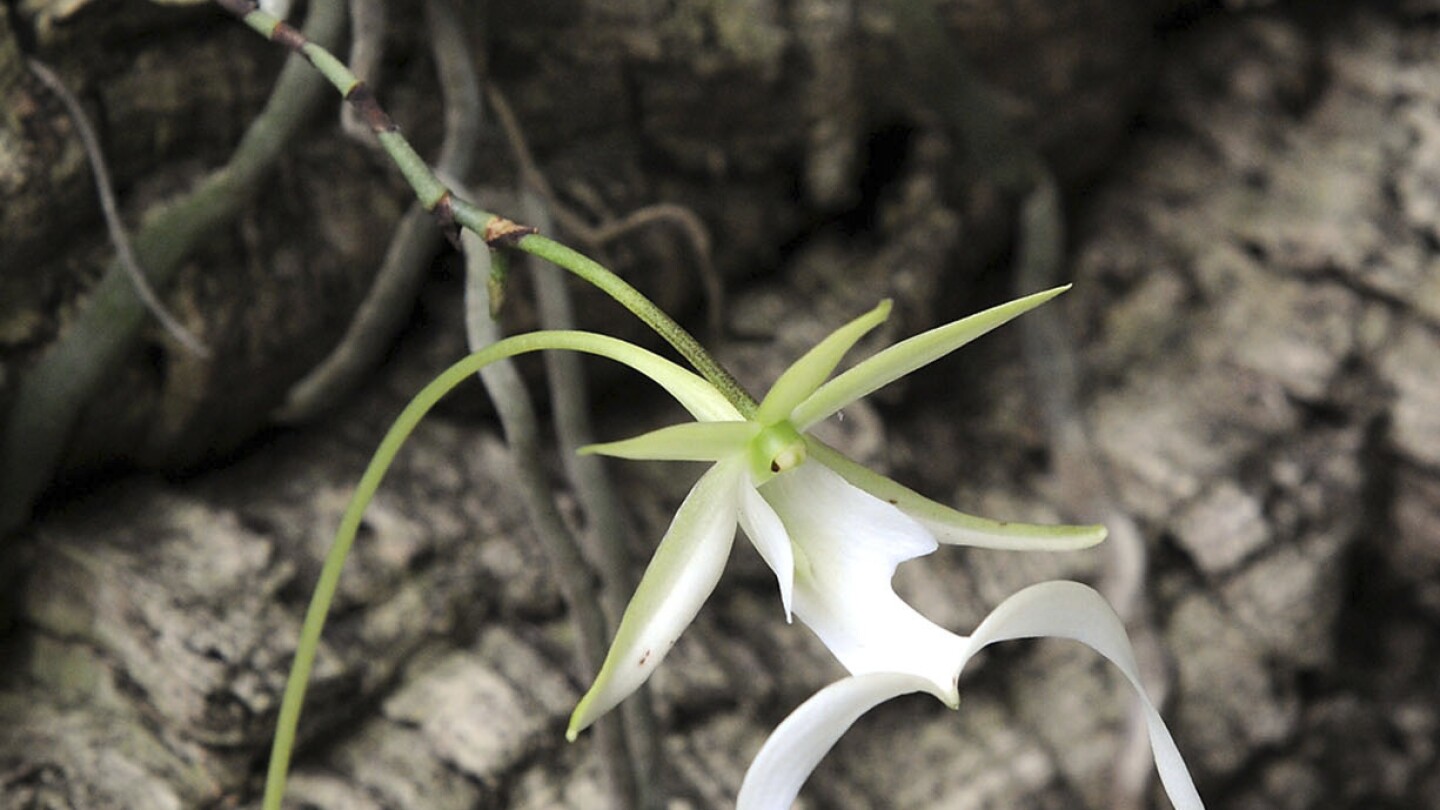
(679, 579)
(1055, 609)
(799, 743)
(950, 527)
(767, 533)
(1074, 611)
(848, 544)
(689, 441)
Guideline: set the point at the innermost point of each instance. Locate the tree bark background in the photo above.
(1253, 198)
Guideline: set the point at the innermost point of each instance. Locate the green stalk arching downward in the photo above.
(672, 377)
(497, 231)
(635, 301)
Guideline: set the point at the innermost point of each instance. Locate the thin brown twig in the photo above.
(690, 226)
(415, 240)
(111, 210)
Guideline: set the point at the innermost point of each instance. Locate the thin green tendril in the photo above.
(291, 703)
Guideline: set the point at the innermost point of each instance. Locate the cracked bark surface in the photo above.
(1257, 311)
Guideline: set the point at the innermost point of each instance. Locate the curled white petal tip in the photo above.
(770, 537)
(1054, 609)
(1070, 610)
(799, 743)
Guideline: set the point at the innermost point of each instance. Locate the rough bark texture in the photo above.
(1257, 313)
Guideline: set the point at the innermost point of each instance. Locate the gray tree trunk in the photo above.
(1254, 206)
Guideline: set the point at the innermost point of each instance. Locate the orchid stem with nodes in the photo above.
(382, 314)
(498, 232)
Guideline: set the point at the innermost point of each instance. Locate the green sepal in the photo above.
(690, 441)
(904, 357)
(806, 375)
(952, 527)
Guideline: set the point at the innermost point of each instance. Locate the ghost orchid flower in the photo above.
(830, 529)
(1054, 609)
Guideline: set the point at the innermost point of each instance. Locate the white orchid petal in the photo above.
(848, 545)
(1074, 611)
(949, 526)
(906, 356)
(799, 743)
(806, 374)
(680, 577)
(769, 537)
(690, 441)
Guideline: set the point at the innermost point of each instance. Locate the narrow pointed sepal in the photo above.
(1074, 611)
(904, 357)
(679, 579)
(690, 441)
(799, 743)
(806, 374)
(952, 527)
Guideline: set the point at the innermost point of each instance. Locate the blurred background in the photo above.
(1244, 384)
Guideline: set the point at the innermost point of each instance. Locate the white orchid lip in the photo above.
(833, 533)
(854, 542)
(837, 580)
(1066, 610)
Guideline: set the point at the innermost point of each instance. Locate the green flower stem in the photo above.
(308, 644)
(596, 490)
(560, 546)
(633, 300)
(392, 294)
(497, 231)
